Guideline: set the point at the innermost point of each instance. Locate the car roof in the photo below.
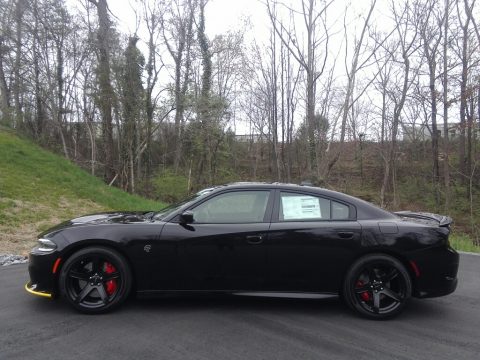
(365, 210)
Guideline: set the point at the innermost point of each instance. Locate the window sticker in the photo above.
(300, 207)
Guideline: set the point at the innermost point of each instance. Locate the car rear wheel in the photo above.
(377, 286)
(95, 280)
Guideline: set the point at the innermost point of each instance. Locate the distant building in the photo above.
(422, 132)
(250, 137)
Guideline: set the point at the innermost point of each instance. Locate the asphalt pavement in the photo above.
(239, 327)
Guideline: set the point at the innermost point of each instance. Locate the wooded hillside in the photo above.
(381, 99)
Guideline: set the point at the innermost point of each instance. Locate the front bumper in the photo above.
(42, 277)
(31, 288)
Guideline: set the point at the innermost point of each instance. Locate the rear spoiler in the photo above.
(442, 220)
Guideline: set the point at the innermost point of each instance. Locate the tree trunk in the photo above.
(60, 97)
(463, 101)
(204, 103)
(391, 158)
(19, 11)
(105, 87)
(430, 55)
(182, 60)
(446, 166)
(4, 90)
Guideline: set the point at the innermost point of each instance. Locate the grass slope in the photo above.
(39, 189)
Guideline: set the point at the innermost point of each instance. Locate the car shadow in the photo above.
(331, 307)
(327, 307)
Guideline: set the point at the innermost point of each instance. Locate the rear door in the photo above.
(312, 240)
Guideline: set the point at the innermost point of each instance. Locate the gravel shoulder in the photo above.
(11, 259)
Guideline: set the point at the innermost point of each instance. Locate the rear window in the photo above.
(302, 207)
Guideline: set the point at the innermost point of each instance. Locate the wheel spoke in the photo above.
(362, 288)
(372, 275)
(78, 275)
(102, 293)
(111, 276)
(96, 264)
(85, 291)
(392, 294)
(390, 276)
(376, 302)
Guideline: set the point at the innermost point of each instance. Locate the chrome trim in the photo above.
(45, 246)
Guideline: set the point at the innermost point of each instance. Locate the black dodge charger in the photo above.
(250, 239)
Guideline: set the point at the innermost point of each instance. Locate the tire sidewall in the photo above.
(112, 256)
(354, 272)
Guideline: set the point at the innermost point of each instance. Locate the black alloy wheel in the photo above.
(377, 286)
(95, 280)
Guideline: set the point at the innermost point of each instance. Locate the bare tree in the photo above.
(467, 101)
(177, 28)
(20, 7)
(406, 41)
(446, 165)
(431, 18)
(351, 71)
(312, 60)
(152, 14)
(5, 90)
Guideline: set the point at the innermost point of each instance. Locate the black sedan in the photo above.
(250, 239)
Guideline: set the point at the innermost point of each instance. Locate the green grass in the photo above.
(463, 242)
(39, 189)
(27, 172)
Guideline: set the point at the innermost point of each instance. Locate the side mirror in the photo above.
(186, 217)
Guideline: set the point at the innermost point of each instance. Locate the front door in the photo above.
(224, 248)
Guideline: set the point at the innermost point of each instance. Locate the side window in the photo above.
(233, 207)
(340, 211)
(294, 206)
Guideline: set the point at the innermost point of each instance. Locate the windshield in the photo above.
(162, 214)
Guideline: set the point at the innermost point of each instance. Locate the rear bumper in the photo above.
(438, 272)
(449, 285)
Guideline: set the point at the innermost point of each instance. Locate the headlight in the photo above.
(45, 246)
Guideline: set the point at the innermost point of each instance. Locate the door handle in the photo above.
(254, 239)
(345, 234)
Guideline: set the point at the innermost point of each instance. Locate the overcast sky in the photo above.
(221, 15)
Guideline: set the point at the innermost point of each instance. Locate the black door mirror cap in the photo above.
(186, 217)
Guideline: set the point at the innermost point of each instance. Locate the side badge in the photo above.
(147, 248)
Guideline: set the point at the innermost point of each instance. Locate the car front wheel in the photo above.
(377, 286)
(95, 280)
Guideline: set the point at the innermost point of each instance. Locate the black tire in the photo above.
(377, 286)
(95, 280)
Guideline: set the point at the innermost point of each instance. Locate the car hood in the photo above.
(129, 217)
(112, 217)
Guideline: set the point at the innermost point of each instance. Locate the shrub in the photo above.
(169, 187)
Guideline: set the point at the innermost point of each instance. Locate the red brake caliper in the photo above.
(111, 285)
(364, 295)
